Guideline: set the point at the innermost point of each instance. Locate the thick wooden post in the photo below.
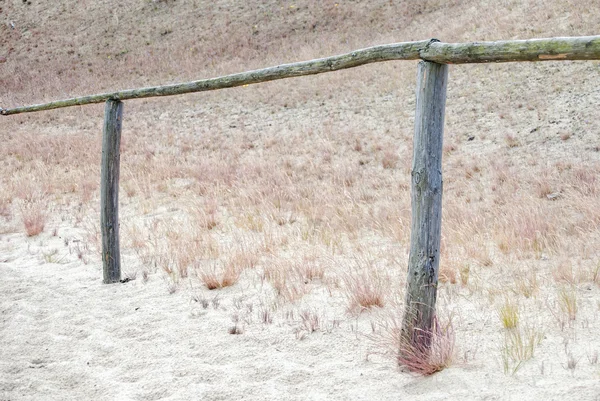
(109, 191)
(426, 199)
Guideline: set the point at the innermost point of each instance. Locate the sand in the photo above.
(64, 335)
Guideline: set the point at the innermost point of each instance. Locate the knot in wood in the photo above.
(417, 176)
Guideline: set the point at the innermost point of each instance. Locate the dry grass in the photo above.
(285, 280)
(216, 276)
(365, 286)
(526, 283)
(567, 301)
(429, 352)
(33, 215)
(310, 269)
(5, 208)
(518, 347)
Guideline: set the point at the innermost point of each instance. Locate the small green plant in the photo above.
(51, 256)
(567, 300)
(519, 347)
(509, 314)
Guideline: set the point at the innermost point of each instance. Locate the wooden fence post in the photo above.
(109, 191)
(426, 200)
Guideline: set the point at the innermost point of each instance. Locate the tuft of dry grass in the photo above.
(285, 280)
(366, 287)
(5, 209)
(309, 270)
(567, 301)
(33, 214)
(216, 277)
(390, 159)
(207, 214)
(310, 321)
(428, 352)
(446, 274)
(526, 283)
(464, 272)
(511, 141)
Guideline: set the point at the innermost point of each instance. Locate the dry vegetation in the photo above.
(295, 194)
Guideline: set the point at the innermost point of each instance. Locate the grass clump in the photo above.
(518, 347)
(429, 352)
(509, 314)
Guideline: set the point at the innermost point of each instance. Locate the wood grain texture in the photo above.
(568, 48)
(109, 191)
(426, 201)
(576, 48)
(397, 51)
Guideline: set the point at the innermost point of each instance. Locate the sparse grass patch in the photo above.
(310, 269)
(564, 272)
(431, 352)
(592, 357)
(206, 214)
(464, 271)
(595, 273)
(526, 283)
(543, 188)
(286, 282)
(446, 274)
(390, 159)
(518, 347)
(567, 301)
(5, 209)
(252, 221)
(215, 275)
(310, 322)
(33, 214)
(366, 287)
(509, 314)
(571, 361)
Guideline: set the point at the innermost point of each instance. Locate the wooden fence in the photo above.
(426, 182)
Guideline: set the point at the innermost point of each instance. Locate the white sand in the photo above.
(64, 335)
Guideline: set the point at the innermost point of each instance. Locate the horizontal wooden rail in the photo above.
(570, 48)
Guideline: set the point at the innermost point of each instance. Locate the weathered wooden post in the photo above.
(426, 199)
(109, 191)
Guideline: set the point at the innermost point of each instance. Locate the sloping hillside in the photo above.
(68, 47)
